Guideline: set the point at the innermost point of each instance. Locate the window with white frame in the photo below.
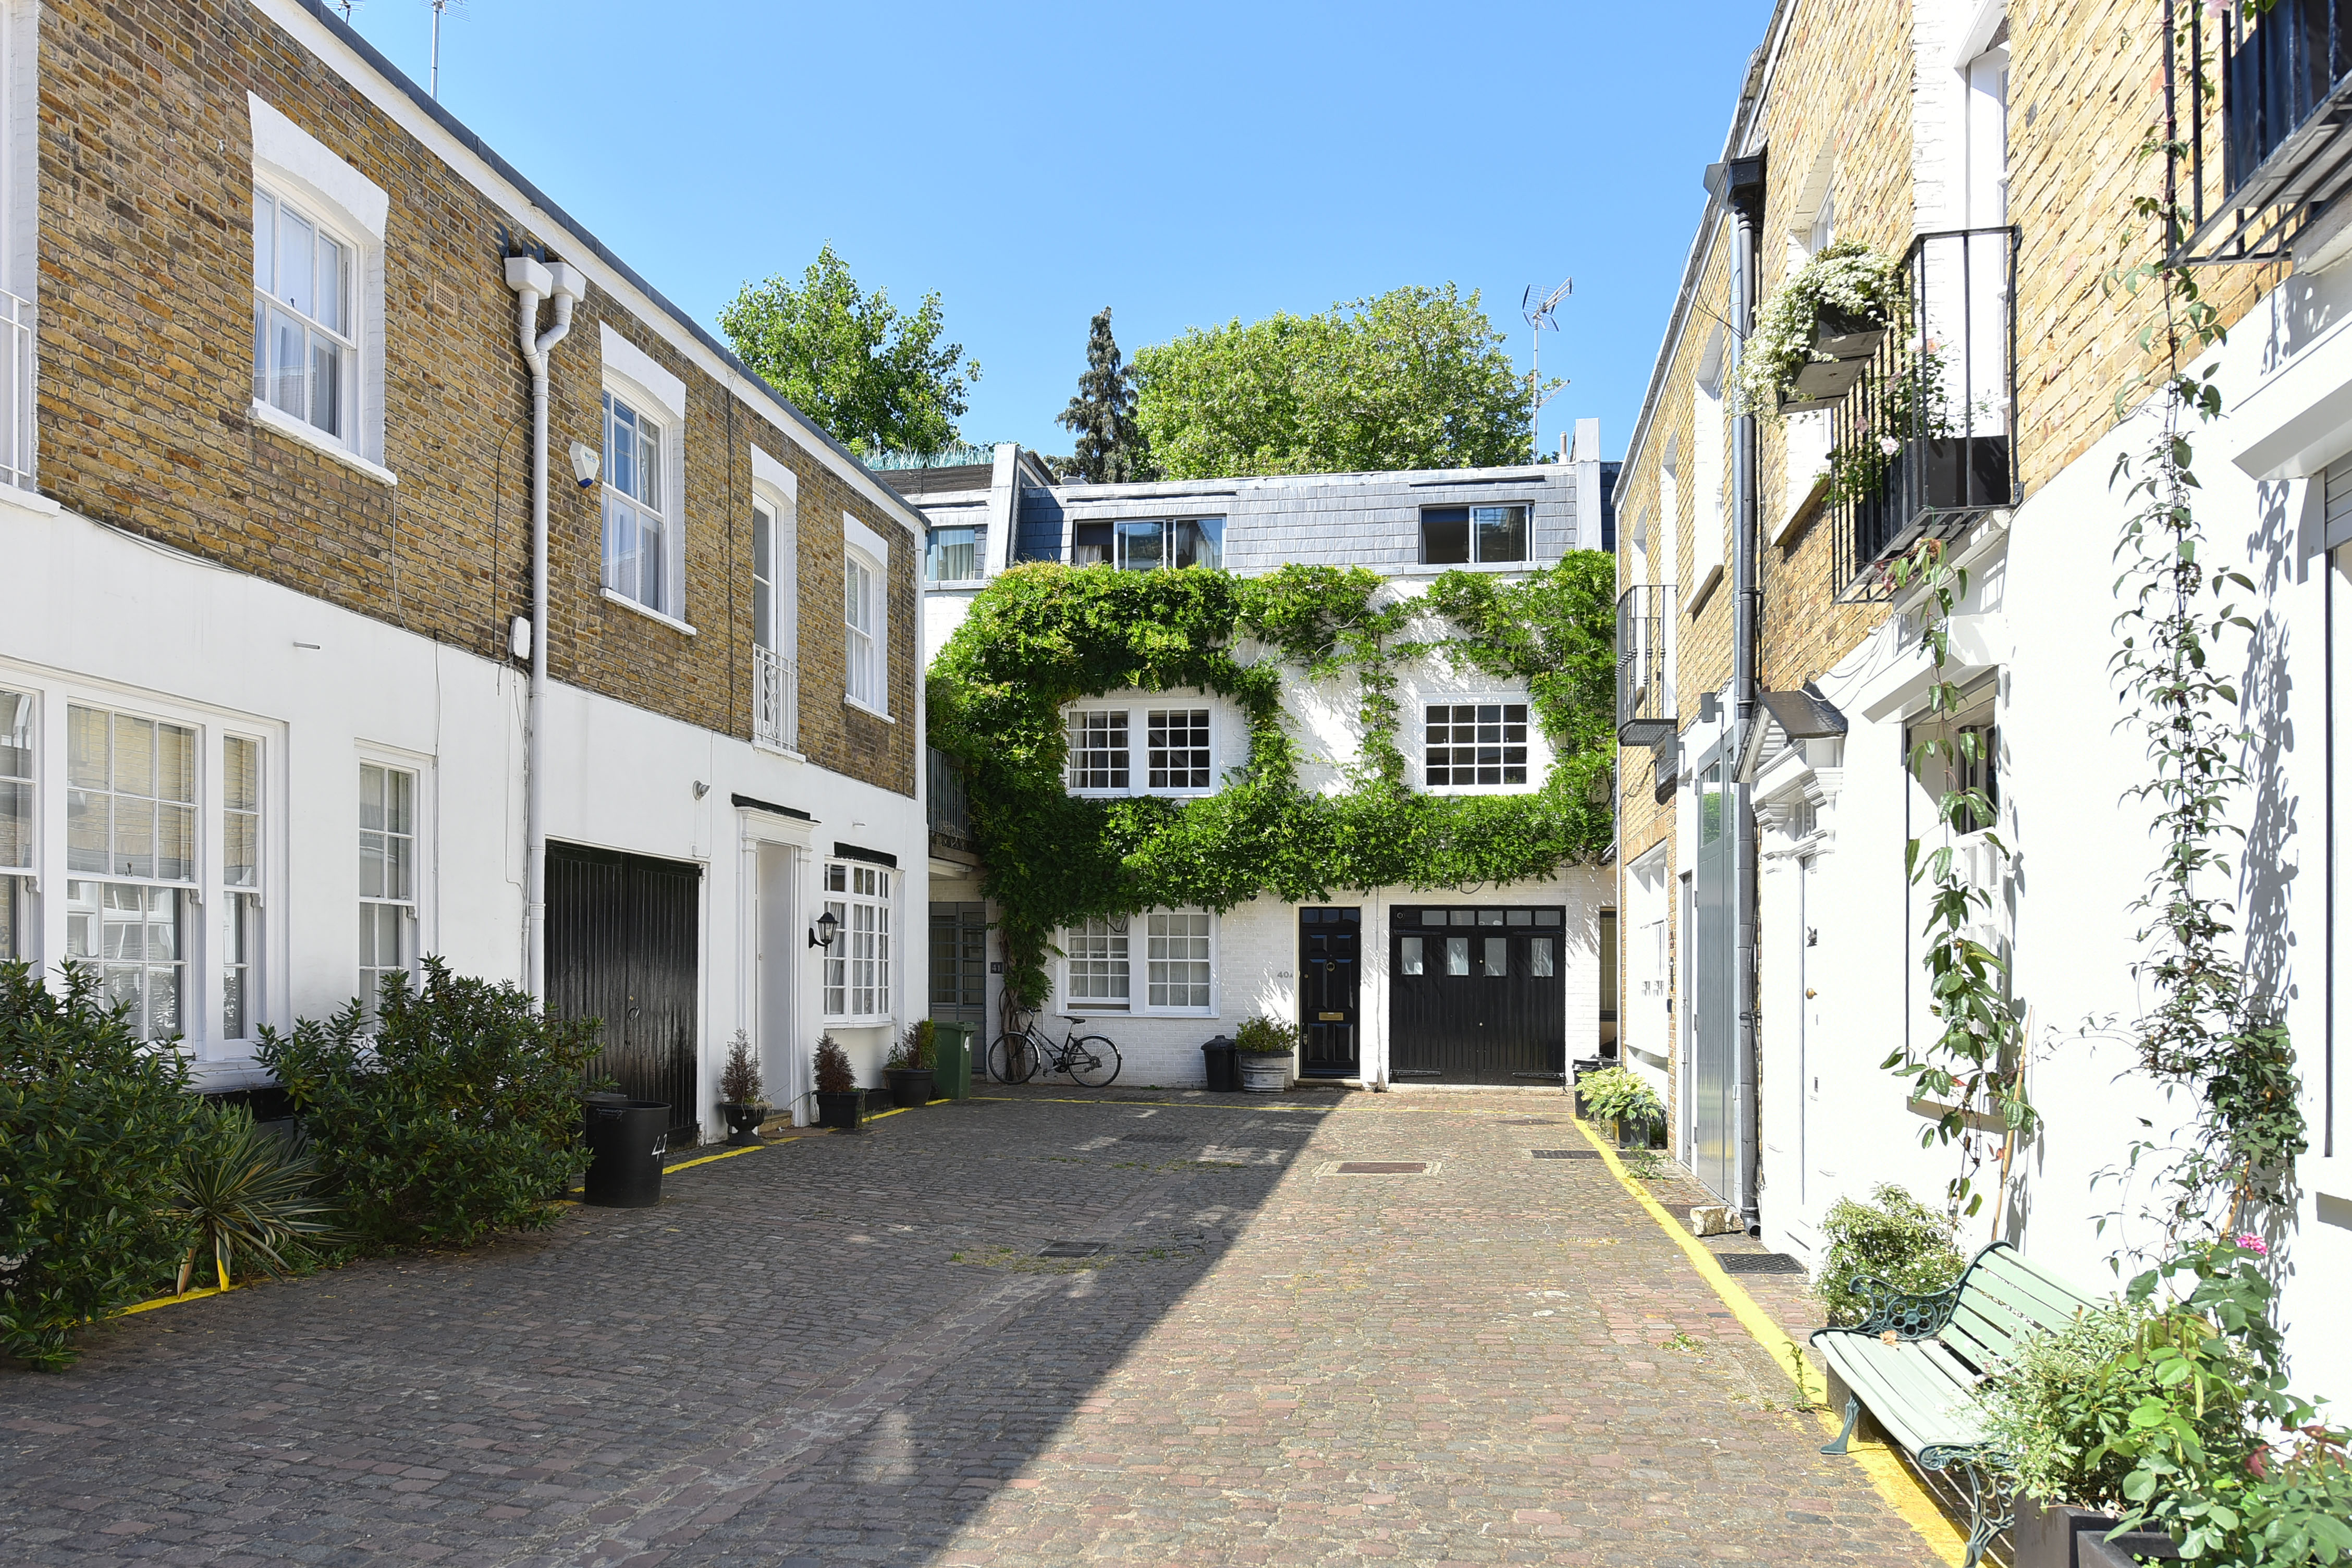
(1178, 963)
(765, 603)
(1177, 960)
(18, 824)
(1097, 963)
(306, 350)
(863, 615)
(953, 555)
(1475, 745)
(130, 830)
(1959, 750)
(1098, 750)
(636, 531)
(857, 964)
(387, 878)
(1178, 748)
(240, 913)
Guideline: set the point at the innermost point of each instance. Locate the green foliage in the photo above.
(738, 1080)
(1261, 1036)
(917, 1047)
(1042, 635)
(1847, 279)
(834, 1074)
(1110, 446)
(91, 1122)
(1417, 378)
(457, 1118)
(244, 1193)
(1893, 1238)
(1617, 1094)
(878, 378)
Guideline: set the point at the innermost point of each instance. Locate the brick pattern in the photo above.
(146, 302)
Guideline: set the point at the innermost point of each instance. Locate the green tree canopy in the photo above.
(1111, 449)
(1414, 379)
(877, 377)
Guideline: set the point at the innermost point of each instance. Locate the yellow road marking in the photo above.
(1887, 1472)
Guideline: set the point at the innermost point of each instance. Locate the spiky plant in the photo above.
(246, 1194)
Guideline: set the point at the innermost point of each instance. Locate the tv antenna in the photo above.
(439, 6)
(1539, 313)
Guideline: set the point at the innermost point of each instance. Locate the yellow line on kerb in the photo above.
(1887, 1472)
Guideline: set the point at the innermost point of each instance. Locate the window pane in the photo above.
(1445, 535)
(648, 488)
(652, 563)
(1200, 541)
(1539, 962)
(371, 796)
(1502, 531)
(289, 369)
(1097, 750)
(1408, 955)
(134, 755)
(334, 280)
(1457, 955)
(176, 843)
(265, 243)
(1139, 546)
(294, 242)
(1178, 748)
(326, 384)
(1498, 959)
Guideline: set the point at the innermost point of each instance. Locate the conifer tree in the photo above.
(1111, 449)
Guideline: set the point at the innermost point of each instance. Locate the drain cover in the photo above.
(1562, 1154)
(1382, 1167)
(1074, 1248)
(1530, 1121)
(1758, 1263)
(1155, 1138)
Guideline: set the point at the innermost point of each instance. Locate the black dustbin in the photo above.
(1224, 1063)
(626, 1138)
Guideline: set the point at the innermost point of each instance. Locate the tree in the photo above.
(1416, 378)
(878, 378)
(1111, 449)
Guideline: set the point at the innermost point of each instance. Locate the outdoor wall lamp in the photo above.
(821, 935)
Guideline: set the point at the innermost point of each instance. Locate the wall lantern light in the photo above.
(822, 934)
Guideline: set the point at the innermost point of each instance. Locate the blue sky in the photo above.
(1183, 165)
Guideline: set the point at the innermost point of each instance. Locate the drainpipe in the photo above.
(1744, 192)
(532, 282)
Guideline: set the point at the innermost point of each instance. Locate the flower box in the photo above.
(1844, 337)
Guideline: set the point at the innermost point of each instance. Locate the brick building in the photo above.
(1772, 941)
(1380, 998)
(266, 673)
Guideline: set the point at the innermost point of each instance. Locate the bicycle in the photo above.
(1019, 1055)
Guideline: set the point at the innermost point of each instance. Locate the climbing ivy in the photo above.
(1043, 635)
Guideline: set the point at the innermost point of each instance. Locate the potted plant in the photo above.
(912, 1059)
(839, 1101)
(1267, 1045)
(739, 1087)
(1814, 333)
(1618, 1095)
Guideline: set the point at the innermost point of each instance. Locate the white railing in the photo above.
(775, 700)
(16, 392)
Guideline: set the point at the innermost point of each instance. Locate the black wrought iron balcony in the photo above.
(1645, 709)
(1922, 444)
(2284, 137)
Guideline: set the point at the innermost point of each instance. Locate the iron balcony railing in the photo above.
(1645, 709)
(2247, 188)
(1922, 444)
(775, 700)
(951, 808)
(16, 393)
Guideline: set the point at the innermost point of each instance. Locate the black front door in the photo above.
(622, 945)
(1478, 995)
(1329, 963)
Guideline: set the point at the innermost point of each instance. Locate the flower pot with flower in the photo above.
(1267, 1046)
(739, 1089)
(840, 1103)
(909, 1071)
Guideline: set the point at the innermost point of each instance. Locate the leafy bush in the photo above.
(1619, 1094)
(245, 1192)
(1847, 279)
(458, 1118)
(918, 1048)
(834, 1074)
(739, 1081)
(1260, 1036)
(1894, 1238)
(92, 1121)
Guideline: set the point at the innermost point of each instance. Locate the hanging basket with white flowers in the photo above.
(1832, 313)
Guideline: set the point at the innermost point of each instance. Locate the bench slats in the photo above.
(1915, 1397)
(2004, 1276)
(1982, 1333)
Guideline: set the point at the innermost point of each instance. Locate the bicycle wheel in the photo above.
(1013, 1059)
(1092, 1061)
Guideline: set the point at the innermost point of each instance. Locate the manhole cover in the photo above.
(1074, 1248)
(1758, 1263)
(1382, 1167)
(1530, 1121)
(1155, 1138)
(1562, 1154)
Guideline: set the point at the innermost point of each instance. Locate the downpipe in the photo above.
(1747, 201)
(533, 282)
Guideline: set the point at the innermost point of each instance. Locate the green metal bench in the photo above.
(1916, 1359)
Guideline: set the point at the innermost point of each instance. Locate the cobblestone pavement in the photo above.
(847, 1349)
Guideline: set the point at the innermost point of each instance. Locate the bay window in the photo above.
(857, 964)
(387, 878)
(130, 829)
(240, 882)
(16, 825)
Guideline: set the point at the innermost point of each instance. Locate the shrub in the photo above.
(245, 1192)
(918, 1048)
(1620, 1094)
(458, 1118)
(1893, 1238)
(1260, 1036)
(739, 1081)
(91, 1122)
(833, 1070)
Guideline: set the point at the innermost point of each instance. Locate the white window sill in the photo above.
(310, 435)
(867, 710)
(877, 1021)
(1139, 793)
(33, 503)
(960, 584)
(1433, 569)
(775, 750)
(1708, 579)
(672, 622)
(1444, 792)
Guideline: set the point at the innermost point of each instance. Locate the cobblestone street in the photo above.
(848, 1349)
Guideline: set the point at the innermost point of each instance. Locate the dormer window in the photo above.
(1473, 535)
(1148, 544)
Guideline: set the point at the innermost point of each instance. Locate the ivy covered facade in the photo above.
(1333, 750)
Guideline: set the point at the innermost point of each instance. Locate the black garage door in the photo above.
(622, 946)
(1479, 994)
